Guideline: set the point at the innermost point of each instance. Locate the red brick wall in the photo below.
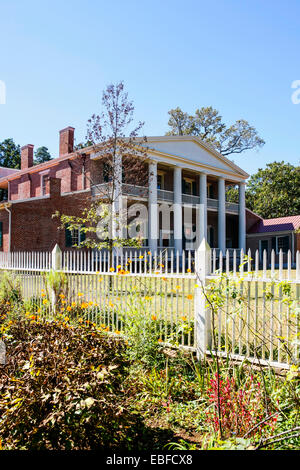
(33, 228)
(70, 173)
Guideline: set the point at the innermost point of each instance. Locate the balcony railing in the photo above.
(101, 190)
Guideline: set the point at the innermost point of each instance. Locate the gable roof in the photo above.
(163, 145)
(279, 224)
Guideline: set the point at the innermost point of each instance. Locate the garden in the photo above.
(70, 383)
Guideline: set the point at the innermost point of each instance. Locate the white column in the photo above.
(221, 216)
(116, 196)
(203, 207)
(153, 208)
(177, 187)
(242, 217)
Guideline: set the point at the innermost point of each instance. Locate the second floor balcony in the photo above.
(141, 193)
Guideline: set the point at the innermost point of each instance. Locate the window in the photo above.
(106, 173)
(210, 191)
(189, 186)
(282, 243)
(160, 180)
(43, 184)
(74, 237)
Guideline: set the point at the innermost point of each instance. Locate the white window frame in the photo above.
(44, 176)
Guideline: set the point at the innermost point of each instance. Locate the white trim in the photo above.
(270, 234)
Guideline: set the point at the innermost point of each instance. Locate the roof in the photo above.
(6, 171)
(280, 224)
(210, 148)
(13, 174)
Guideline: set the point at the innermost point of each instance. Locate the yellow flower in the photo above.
(67, 318)
(177, 287)
(184, 318)
(73, 304)
(196, 285)
(164, 278)
(80, 294)
(111, 304)
(190, 297)
(45, 301)
(160, 340)
(118, 332)
(189, 270)
(153, 317)
(91, 303)
(147, 297)
(111, 270)
(141, 257)
(129, 261)
(69, 308)
(62, 296)
(84, 305)
(39, 310)
(149, 253)
(119, 266)
(101, 279)
(43, 294)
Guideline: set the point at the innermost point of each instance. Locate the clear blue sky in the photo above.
(238, 56)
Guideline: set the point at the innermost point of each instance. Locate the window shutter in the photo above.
(68, 237)
(1, 234)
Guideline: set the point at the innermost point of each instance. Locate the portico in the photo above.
(190, 176)
(203, 204)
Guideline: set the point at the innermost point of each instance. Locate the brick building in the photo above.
(185, 172)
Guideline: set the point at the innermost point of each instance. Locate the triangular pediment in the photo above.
(194, 150)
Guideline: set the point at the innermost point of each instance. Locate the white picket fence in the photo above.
(167, 287)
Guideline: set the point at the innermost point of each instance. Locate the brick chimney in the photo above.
(66, 141)
(27, 156)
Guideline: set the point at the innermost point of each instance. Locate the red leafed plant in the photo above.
(239, 408)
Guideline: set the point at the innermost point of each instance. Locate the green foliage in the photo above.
(62, 388)
(42, 155)
(275, 190)
(207, 124)
(142, 334)
(10, 154)
(10, 289)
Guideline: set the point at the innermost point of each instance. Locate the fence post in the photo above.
(56, 265)
(201, 311)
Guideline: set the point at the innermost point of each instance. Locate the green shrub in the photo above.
(62, 388)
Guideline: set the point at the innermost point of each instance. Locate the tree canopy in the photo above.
(207, 124)
(42, 155)
(273, 191)
(10, 154)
